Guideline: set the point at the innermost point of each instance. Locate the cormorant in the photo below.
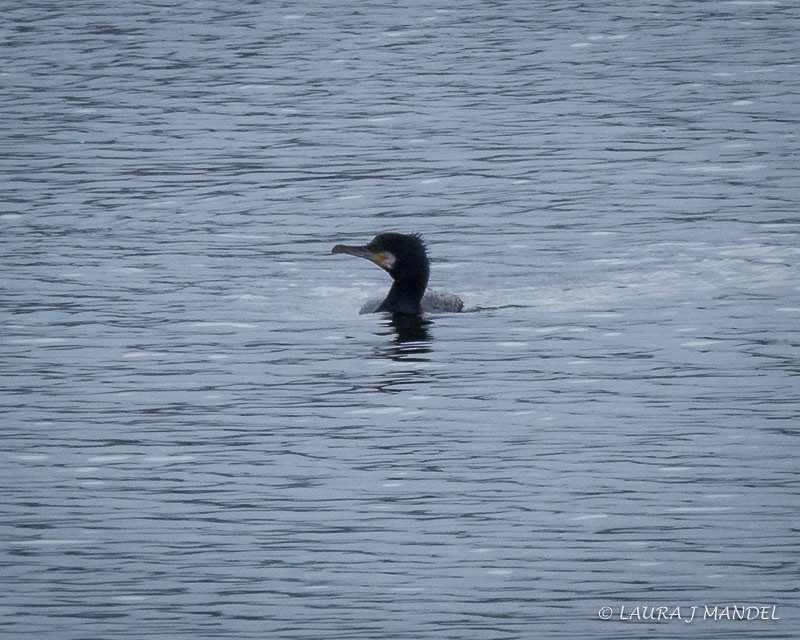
(405, 259)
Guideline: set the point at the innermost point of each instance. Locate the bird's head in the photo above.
(402, 256)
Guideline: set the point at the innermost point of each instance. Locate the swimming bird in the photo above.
(404, 257)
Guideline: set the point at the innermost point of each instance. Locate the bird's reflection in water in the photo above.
(411, 336)
(410, 328)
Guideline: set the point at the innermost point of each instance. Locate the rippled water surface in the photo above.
(204, 439)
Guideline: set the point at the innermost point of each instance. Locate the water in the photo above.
(202, 437)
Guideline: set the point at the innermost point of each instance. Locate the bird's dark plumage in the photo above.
(405, 258)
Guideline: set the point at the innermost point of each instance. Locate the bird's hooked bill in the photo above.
(384, 259)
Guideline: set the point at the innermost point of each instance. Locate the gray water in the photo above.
(202, 438)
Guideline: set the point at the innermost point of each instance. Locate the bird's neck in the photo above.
(405, 296)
